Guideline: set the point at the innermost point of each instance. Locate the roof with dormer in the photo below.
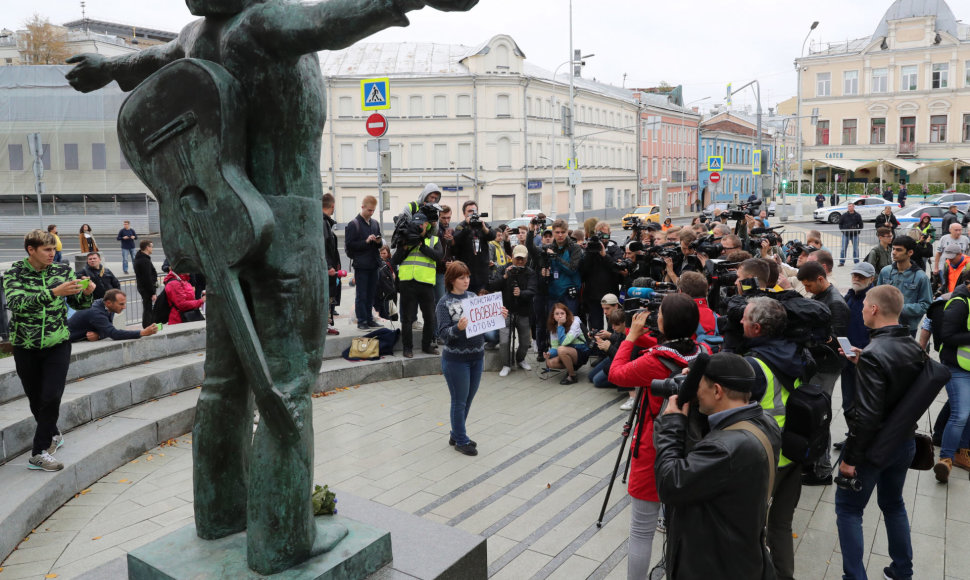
(902, 9)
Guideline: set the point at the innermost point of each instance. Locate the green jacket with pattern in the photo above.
(39, 318)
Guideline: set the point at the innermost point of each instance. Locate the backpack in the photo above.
(808, 415)
(161, 309)
(713, 341)
(351, 254)
(809, 321)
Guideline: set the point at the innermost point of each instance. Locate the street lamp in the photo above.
(798, 127)
(572, 117)
(568, 126)
(757, 94)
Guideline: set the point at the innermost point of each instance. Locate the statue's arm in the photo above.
(293, 29)
(93, 71)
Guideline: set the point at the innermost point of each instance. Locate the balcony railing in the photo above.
(906, 148)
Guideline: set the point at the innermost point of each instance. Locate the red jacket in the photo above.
(708, 320)
(638, 373)
(181, 296)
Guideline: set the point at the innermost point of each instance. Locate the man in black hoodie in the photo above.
(146, 278)
(779, 367)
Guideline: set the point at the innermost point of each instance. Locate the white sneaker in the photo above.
(525, 366)
(56, 443)
(44, 461)
(504, 372)
(417, 325)
(628, 405)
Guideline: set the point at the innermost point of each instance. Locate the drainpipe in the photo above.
(333, 158)
(475, 132)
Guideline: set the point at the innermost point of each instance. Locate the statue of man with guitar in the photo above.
(224, 125)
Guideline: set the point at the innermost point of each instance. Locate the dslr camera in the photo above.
(475, 219)
(684, 386)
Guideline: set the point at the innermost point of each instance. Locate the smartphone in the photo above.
(846, 347)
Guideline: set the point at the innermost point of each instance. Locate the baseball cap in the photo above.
(732, 371)
(520, 252)
(609, 299)
(864, 269)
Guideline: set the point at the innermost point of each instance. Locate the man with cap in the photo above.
(417, 257)
(952, 268)
(717, 494)
(950, 246)
(517, 282)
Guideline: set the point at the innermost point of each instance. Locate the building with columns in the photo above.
(482, 119)
(894, 105)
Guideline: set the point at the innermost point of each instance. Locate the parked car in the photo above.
(909, 216)
(948, 198)
(868, 208)
(646, 213)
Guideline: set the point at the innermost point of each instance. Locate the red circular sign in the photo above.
(715, 177)
(376, 125)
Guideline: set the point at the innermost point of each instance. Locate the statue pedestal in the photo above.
(182, 554)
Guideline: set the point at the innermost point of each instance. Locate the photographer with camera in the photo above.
(362, 238)
(472, 236)
(716, 494)
(684, 259)
(600, 269)
(517, 282)
(779, 366)
(417, 259)
(885, 370)
(677, 321)
(564, 256)
(539, 263)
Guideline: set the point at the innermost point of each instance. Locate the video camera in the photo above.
(773, 237)
(684, 386)
(594, 243)
(475, 219)
(538, 220)
(646, 297)
(747, 208)
(708, 245)
(794, 249)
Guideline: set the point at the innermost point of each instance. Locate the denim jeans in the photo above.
(849, 506)
(600, 374)
(439, 288)
(854, 237)
(956, 435)
(366, 294)
(125, 254)
(463, 378)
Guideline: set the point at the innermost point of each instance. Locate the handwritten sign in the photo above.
(484, 314)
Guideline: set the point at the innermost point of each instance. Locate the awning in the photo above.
(907, 166)
(845, 164)
(948, 163)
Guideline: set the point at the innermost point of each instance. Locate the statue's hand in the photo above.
(451, 5)
(90, 74)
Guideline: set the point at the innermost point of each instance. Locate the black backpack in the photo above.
(809, 321)
(808, 416)
(161, 309)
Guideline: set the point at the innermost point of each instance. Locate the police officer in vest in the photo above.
(417, 259)
(779, 366)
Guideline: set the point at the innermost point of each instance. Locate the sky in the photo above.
(700, 44)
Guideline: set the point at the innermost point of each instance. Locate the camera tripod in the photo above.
(627, 427)
(513, 334)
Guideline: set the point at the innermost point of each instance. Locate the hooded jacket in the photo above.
(716, 496)
(783, 356)
(39, 318)
(181, 296)
(915, 286)
(954, 331)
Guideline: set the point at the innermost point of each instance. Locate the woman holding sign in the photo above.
(567, 345)
(463, 356)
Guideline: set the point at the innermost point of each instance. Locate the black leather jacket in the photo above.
(953, 330)
(715, 496)
(886, 368)
(850, 221)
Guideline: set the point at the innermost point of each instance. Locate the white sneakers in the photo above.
(56, 443)
(44, 461)
(628, 405)
(504, 372)
(525, 366)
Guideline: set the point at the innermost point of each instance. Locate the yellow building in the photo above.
(894, 105)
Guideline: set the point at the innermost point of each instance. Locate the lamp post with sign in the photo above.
(798, 113)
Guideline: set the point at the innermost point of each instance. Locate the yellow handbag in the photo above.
(364, 348)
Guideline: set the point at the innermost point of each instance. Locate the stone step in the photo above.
(92, 358)
(89, 453)
(87, 399)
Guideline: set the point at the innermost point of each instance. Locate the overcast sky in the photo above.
(702, 44)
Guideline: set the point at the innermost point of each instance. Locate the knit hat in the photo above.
(731, 371)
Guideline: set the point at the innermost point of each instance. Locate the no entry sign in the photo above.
(715, 177)
(376, 125)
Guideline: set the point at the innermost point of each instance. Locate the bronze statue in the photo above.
(225, 128)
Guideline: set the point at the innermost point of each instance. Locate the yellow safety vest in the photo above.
(501, 258)
(774, 403)
(417, 266)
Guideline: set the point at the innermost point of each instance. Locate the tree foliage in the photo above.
(44, 42)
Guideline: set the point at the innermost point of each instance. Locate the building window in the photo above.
(938, 129)
(70, 156)
(966, 74)
(587, 199)
(440, 106)
(909, 78)
(655, 174)
(907, 135)
(504, 153)
(849, 127)
(880, 80)
(464, 156)
(98, 156)
(346, 156)
(609, 197)
(16, 155)
(823, 84)
(534, 200)
(416, 106)
(397, 155)
(395, 108)
(440, 153)
(850, 82)
(464, 106)
(822, 133)
(345, 107)
(502, 107)
(417, 156)
(941, 75)
(966, 128)
(877, 136)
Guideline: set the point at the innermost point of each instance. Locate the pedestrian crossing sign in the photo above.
(715, 163)
(374, 94)
(756, 162)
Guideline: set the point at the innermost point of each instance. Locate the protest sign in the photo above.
(484, 313)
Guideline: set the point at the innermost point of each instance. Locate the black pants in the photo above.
(594, 315)
(43, 373)
(788, 490)
(413, 295)
(541, 316)
(147, 317)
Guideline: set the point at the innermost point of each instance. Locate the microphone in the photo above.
(634, 292)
